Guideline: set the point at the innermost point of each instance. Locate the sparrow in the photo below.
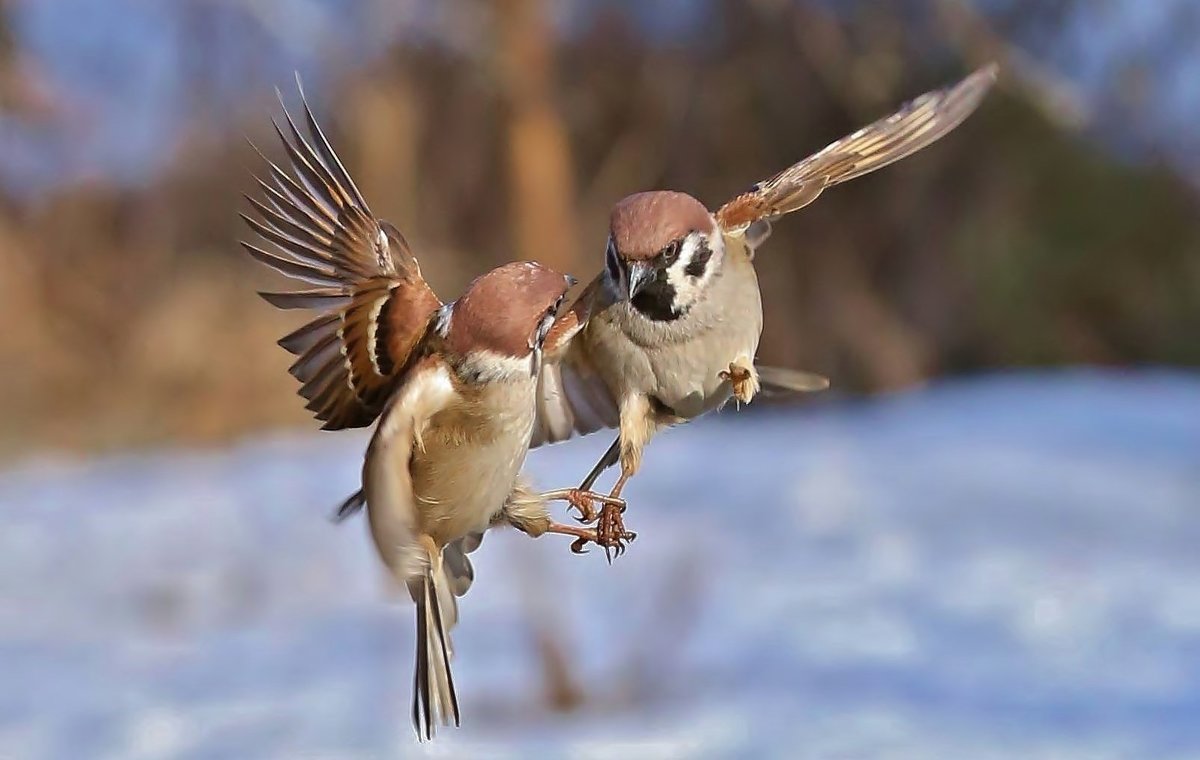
(668, 330)
(453, 386)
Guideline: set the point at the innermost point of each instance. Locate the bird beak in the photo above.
(640, 275)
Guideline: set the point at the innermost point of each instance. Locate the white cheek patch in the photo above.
(696, 255)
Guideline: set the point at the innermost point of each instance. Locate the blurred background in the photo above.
(981, 543)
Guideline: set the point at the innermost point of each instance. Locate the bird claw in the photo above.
(741, 380)
(584, 502)
(611, 533)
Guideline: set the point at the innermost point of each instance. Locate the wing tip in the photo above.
(989, 71)
(349, 507)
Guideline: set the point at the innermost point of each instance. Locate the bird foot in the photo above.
(584, 501)
(742, 380)
(610, 532)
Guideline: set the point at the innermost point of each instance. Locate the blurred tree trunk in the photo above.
(890, 354)
(541, 174)
(385, 120)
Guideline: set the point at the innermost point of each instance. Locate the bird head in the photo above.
(496, 329)
(664, 248)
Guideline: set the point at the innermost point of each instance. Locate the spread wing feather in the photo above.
(572, 398)
(917, 124)
(373, 303)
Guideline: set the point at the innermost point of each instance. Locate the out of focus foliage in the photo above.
(1020, 239)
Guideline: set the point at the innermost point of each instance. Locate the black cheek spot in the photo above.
(699, 263)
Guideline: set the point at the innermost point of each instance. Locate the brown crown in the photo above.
(643, 224)
(501, 309)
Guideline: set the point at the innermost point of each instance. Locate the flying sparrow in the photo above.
(453, 385)
(669, 329)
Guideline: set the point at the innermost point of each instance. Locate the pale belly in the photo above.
(679, 363)
(459, 486)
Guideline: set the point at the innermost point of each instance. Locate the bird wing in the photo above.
(917, 124)
(572, 398)
(373, 303)
(424, 390)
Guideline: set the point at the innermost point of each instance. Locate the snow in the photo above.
(993, 568)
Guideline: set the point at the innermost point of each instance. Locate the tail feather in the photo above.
(434, 699)
(777, 381)
(459, 572)
(442, 652)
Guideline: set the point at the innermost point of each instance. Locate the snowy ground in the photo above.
(1006, 567)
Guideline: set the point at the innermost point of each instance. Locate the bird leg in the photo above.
(611, 456)
(609, 531)
(638, 424)
(610, 527)
(583, 536)
(581, 498)
(742, 379)
(584, 500)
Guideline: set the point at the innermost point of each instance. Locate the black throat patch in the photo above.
(656, 299)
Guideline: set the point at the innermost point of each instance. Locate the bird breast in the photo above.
(679, 362)
(473, 452)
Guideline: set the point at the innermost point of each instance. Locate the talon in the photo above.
(582, 500)
(610, 530)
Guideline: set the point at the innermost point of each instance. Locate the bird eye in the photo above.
(671, 252)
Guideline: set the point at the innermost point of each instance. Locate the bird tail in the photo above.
(777, 381)
(434, 700)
